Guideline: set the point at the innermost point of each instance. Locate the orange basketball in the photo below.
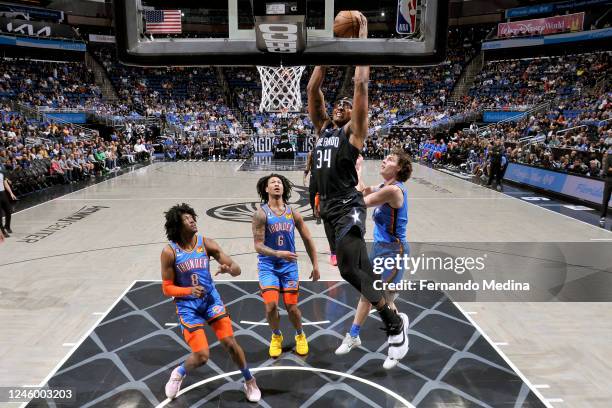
(346, 24)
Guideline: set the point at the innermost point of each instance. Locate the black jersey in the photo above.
(334, 159)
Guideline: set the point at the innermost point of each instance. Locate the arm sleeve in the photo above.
(170, 289)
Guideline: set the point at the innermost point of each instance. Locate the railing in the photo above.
(516, 118)
(560, 132)
(41, 114)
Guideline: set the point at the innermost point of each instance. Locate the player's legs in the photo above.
(355, 268)
(270, 291)
(289, 282)
(331, 240)
(192, 324)
(220, 322)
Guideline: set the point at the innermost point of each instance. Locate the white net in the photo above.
(280, 89)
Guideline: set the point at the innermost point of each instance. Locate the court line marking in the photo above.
(387, 391)
(541, 386)
(601, 239)
(527, 202)
(504, 357)
(266, 323)
(84, 188)
(171, 324)
(85, 336)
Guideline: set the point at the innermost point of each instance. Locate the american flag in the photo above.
(163, 21)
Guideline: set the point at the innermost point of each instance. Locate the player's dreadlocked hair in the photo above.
(174, 222)
(263, 183)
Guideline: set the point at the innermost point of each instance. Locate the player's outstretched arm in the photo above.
(167, 272)
(391, 195)
(308, 243)
(226, 264)
(358, 126)
(316, 100)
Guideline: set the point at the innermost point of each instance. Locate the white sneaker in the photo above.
(252, 392)
(398, 343)
(174, 384)
(348, 344)
(390, 363)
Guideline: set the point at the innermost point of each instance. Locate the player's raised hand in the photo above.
(287, 256)
(197, 291)
(315, 275)
(363, 26)
(224, 269)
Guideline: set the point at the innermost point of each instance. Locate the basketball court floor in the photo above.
(81, 304)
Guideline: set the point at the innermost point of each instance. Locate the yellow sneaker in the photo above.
(276, 345)
(301, 344)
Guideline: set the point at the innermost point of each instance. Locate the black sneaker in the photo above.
(6, 235)
(10, 231)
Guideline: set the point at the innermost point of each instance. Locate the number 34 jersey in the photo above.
(334, 159)
(280, 234)
(191, 268)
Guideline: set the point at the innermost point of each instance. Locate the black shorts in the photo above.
(345, 212)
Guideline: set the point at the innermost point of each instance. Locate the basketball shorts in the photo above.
(277, 278)
(390, 271)
(344, 213)
(193, 313)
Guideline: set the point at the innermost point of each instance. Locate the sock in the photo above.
(355, 328)
(246, 373)
(181, 370)
(276, 332)
(299, 331)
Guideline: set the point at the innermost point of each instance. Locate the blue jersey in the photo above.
(390, 224)
(192, 268)
(280, 233)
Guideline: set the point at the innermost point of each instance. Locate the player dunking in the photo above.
(274, 226)
(340, 141)
(186, 276)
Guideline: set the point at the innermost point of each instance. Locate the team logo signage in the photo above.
(406, 16)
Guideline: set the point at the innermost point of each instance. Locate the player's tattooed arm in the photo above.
(259, 234)
(316, 100)
(226, 264)
(300, 225)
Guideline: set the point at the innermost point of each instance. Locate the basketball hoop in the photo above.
(280, 89)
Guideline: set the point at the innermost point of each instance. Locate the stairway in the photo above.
(102, 80)
(466, 80)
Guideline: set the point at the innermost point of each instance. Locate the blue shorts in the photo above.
(279, 277)
(193, 313)
(384, 250)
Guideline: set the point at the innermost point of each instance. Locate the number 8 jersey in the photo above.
(334, 159)
(280, 234)
(191, 268)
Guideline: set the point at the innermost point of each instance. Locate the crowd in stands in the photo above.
(48, 84)
(37, 155)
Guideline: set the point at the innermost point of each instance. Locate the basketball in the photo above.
(346, 24)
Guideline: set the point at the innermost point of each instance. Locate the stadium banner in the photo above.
(102, 38)
(583, 188)
(550, 8)
(35, 28)
(497, 116)
(548, 40)
(38, 13)
(539, 26)
(42, 43)
(72, 117)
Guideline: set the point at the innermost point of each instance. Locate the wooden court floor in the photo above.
(71, 258)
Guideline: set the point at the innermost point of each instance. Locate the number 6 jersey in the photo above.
(334, 159)
(191, 268)
(280, 234)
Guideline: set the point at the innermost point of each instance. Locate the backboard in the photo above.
(229, 32)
